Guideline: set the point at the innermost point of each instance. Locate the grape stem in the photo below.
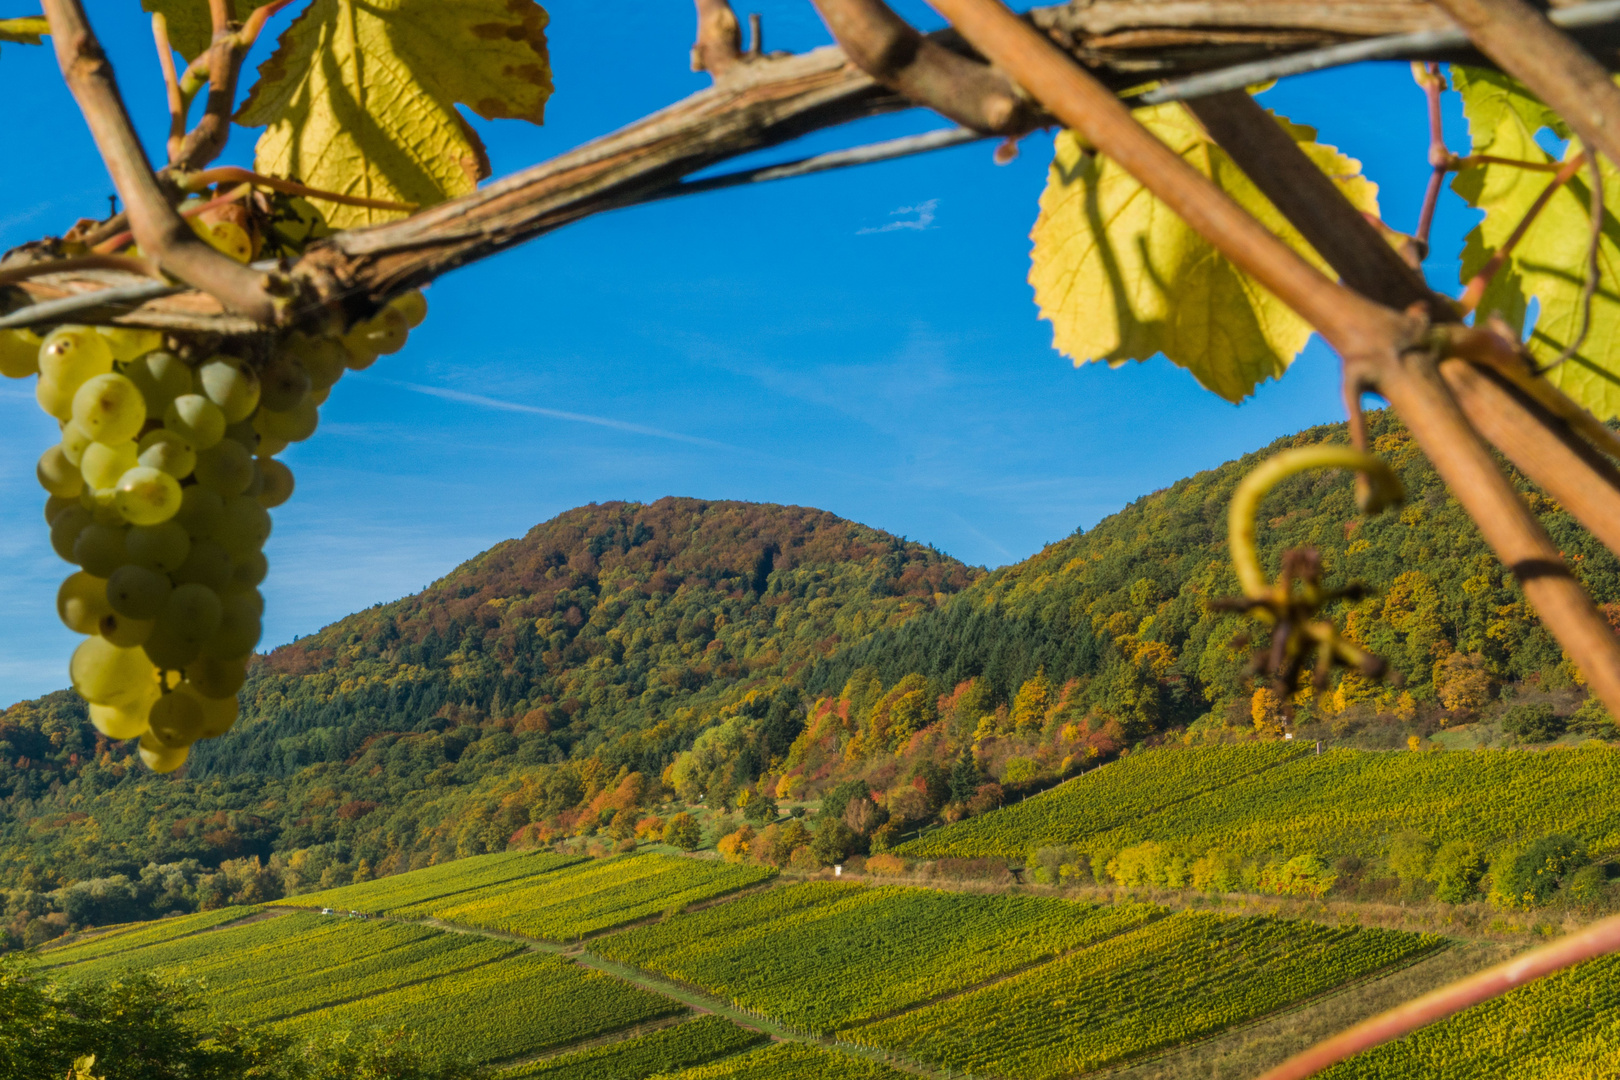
(171, 83)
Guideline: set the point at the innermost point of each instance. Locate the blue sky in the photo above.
(862, 341)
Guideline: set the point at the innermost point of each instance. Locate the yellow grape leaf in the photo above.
(189, 24)
(1121, 277)
(1548, 266)
(24, 31)
(360, 98)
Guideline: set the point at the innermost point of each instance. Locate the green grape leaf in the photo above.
(1121, 277)
(360, 98)
(190, 27)
(1548, 266)
(25, 31)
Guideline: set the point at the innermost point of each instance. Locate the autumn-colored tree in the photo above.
(1030, 705)
(683, 831)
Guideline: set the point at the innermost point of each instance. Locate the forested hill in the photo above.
(626, 661)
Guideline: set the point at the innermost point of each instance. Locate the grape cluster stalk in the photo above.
(160, 492)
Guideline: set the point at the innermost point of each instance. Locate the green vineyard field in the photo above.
(1114, 795)
(1169, 982)
(522, 1005)
(139, 935)
(822, 956)
(592, 897)
(435, 883)
(693, 1042)
(790, 1061)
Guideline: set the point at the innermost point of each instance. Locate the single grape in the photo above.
(147, 496)
(55, 397)
(218, 713)
(192, 612)
(82, 601)
(19, 353)
(56, 504)
(196, 419)
(100, 549)
(208, 564)
(217, 678)
(231, 384)
(278, 483)
(136, 592)
(125, 632)
(117, 722)
(104, 464)
(71, 354)
(244, 527)
(128, 343)
(105, 674)
(162, 547)
(226, 467)
(413, 305)
(245, 433)
(295, 425)
(248, 571)
(109, 408)
(323, 359)
(284, 384)
(382, 334)
(103, 506)
(177, 719)
(319, 396)
(270, 446)
(65, 530)
(159, 758)
(239, 629)
(74, 442)
(57, 474)
(170, 650)
(201, 512)
(167, 451)
(162, 377)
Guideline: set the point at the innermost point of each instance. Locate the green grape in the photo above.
(201, 512)
(245, 433)
(248, 571)
(82, 601)
(57, 474)
(295, 425)
(119, 722)
(231, 384)
(176, 719)
(103, 506)
(104, 464)
(278, 483)
(159, 758)
(127, 343)
(208, 564)
(147, 496)
(55, 397)
(162, 547)
(239, 629)
(109, 408)
(56, 504)
(19, 353)
(162, 377)
(100, 549)
(125, 632)
(138, 593)
(323, 359)
(382, 334)
(284, 383)
(218, 713)
(192, 613)
(105, 674)
(244, 527)
(216, 679)
(165, 450)
(168, 649)
(226, 468)
(269, 446)
(412, 305)
(196, 419)
(71, 354)
(65, 530)
(74, 442)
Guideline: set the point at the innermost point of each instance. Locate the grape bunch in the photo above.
(160, 492)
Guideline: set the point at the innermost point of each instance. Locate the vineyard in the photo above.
(592, 897)
(1169, 982)
(139, 935)
(819, 957)
(790, 1061)
(1567, 1025)
(435, 882)
(693, 1042)
(1114, 795)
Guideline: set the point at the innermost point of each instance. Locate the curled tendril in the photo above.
(1294, 601)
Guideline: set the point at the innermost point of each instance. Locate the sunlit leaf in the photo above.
(1549, 265)
(26, 31)
(1122, 277)
(361, 98)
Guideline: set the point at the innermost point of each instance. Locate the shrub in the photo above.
(735, 846)
(1303, 875)
(1047, 864)
(1149, 863)
(682, 831)
(887, 865)
(1456, 872)
(1218, 871)
(1526, 877)
(885, 837)
(1409, 854)
(1019, 770)
(1533, 723)
(833, 842)
(1586, 885)
(987, 798)
(1594, 720)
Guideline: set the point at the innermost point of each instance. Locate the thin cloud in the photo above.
(554, 414)
(923, 221)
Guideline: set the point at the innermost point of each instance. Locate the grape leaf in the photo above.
(190, 27)
(360, 98)
(1121, 277)
(1549, 265)
(24, 31)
